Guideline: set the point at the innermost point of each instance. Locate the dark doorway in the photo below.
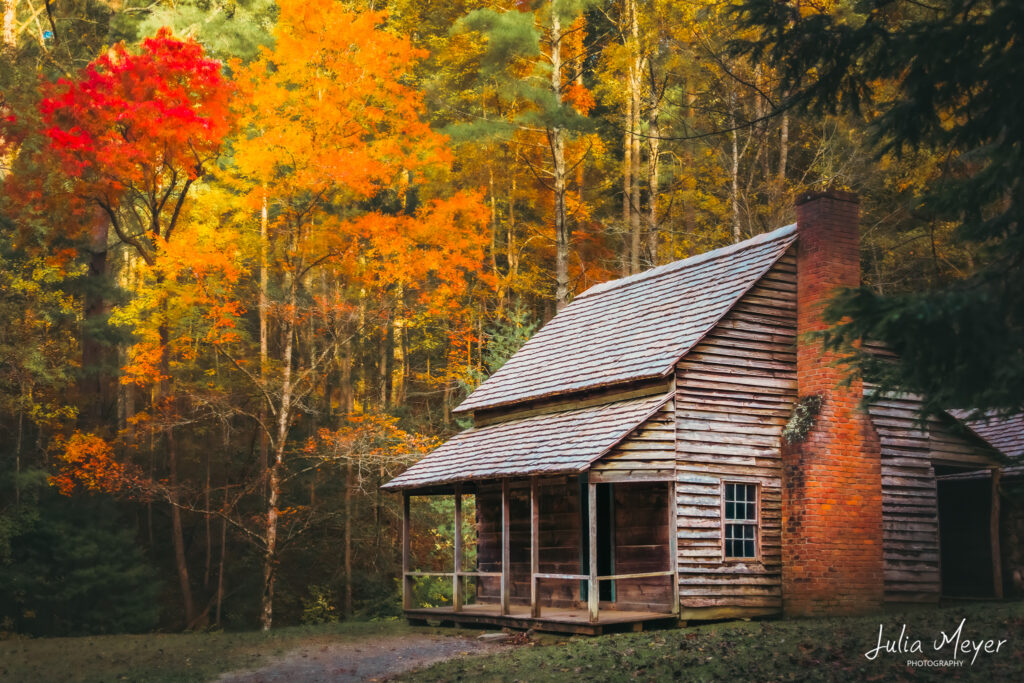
(965, 541)
(605, 539)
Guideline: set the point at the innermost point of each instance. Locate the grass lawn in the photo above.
(805, 649)
(810, 649)
(161, 657)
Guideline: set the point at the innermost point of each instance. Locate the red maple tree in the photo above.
(134, 131)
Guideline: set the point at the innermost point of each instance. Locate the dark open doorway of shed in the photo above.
(965, 539)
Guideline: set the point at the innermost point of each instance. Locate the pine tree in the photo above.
(942, 78)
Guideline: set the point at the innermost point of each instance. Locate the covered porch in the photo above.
(581, 553)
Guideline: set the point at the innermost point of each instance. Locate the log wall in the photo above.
(734, 394)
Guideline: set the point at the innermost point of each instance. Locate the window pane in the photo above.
(740, 523)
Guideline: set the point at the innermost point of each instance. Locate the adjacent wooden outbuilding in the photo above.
(628, 464)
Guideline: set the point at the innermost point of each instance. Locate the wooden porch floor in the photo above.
(552, 619)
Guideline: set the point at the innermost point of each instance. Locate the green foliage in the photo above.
(503, 339)
(941, 78)
(510, 36)
(512, 40)
(72, 569)
(226, 28)
(318, 607)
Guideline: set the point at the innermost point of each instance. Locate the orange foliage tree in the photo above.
(333, 141)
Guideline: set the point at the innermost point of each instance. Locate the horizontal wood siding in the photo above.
(909, 496)
(952, 444)
(910, 515)
(648, 452)
(734, 394)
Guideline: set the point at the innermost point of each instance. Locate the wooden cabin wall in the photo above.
(559, 540)
(952, 448)
(641, 515)
(648, 452)
(734, 394)
(642, 545)
(910, 512)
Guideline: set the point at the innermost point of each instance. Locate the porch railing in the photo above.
(592, 578)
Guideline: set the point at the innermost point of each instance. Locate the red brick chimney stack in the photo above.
(832, 485)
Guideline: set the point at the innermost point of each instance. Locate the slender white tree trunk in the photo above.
(556, 138)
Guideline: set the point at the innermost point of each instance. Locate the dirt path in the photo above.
(360, 660)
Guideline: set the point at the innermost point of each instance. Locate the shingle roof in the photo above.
(1006, 434)
(551, 443)
(634, 328)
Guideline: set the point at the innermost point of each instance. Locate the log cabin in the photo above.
(628, 464)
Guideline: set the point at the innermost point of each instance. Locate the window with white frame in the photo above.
(740, 521)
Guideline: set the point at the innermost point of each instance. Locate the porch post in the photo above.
(997, 564)
(406, 544)
(593, 596)
(456, 578)
(534, 547)
(673, 546)
(506, 579)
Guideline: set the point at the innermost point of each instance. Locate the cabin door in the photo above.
(605, 539)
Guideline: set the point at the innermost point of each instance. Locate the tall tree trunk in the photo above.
(220, 569)
(446, 401)
(627, 188)
(635, 71)
(166, 397)
(387, 354)
(403, 345)
(180, 561)
(494, 220)
(264, 306)
(511, 245)
(348, 538)
(580, 177)
(636, 226)
(653, 150)
(275, 473)
(206, 515)
(95, 382)
(734, 171)
(556, 137)
(783, 150)
(17, 452)
(347, 397)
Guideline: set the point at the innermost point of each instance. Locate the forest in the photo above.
(253, 253)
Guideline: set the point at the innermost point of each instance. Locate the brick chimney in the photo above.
(832, 484)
